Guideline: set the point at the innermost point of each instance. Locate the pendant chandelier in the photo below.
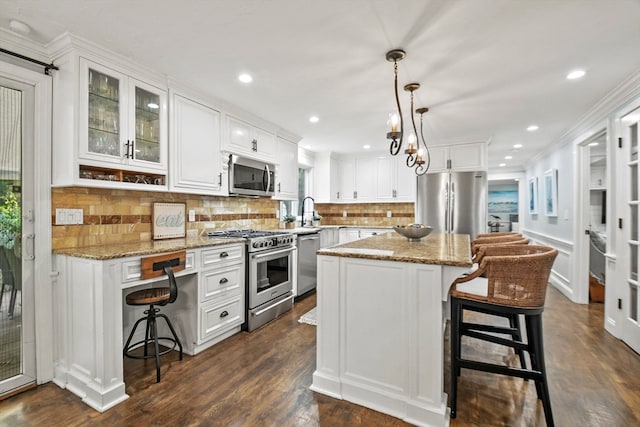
(416, 150)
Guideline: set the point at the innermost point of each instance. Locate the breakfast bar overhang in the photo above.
(381, 317)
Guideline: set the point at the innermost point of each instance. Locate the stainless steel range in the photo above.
(269, 273)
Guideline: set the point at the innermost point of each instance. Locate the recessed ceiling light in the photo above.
(245, 78)
(314, 119)
(502, 165)
(533, 128)
(576, 74)
(593, 144)
(153, 105)
(19, 27)
(307, 146)
(366, 146)
(517, 145)
(508, 157)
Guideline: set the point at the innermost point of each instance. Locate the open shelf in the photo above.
(120, 175)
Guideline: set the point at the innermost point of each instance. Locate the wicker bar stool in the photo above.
(510, 280)
(155, 266)
(498, 234)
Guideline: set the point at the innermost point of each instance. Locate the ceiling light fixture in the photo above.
(366, 146)
(19, 27)
(533, 128)
(502, 165)
(508, 157)
(416, 150)
(314, 119)
(245, 78)
(517, 145)
(576, 74)
(593, 144)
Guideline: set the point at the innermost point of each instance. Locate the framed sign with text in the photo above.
(168, 220)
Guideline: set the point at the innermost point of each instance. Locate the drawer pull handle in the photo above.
(224, 314)
(223, 280)
(224, 254)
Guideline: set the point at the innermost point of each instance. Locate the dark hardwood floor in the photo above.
(263, 379)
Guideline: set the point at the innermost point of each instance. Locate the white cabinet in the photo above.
(347, 179)
(122, 120)
(395, 181)
(196, 164)
(349, 234)
(109, 124)
(460, 157)
(287, 171)
(329, 236)
(246, 139)
(220, 293)
(357, 183)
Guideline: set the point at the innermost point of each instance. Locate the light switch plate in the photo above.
(389, 214)
(192, 215)
(69, 216)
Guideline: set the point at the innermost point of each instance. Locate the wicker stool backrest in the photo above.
(497, 239)
(517, 275)
(477, 248)
(498, 234)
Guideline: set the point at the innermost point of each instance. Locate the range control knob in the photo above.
(255, 244)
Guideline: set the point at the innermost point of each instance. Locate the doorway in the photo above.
(597, 154)
(17, 320)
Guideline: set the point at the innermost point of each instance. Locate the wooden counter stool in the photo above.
(510, 280)
(156, 266)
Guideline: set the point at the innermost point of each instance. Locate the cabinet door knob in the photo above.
(224, 314)
(223, 254)
(223, 280)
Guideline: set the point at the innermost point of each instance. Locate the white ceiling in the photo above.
(488, 68)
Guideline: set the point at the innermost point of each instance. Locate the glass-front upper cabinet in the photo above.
(125, 119)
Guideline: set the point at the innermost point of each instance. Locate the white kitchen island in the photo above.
(381, 319)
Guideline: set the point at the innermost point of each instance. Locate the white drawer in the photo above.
(221, 282)
(217, 318)
(219, 255)
(131, 270)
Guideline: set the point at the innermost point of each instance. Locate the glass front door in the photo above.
(17, 352)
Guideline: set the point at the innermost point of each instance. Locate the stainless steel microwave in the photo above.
(250, 177)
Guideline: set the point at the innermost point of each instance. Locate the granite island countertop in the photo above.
(123, 250)
(440, 249)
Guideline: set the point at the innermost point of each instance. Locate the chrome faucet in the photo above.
(302, 213)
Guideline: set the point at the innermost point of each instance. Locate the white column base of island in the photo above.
(380, 323)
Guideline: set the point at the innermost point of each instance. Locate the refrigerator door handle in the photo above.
(453, 205)
(446, 208)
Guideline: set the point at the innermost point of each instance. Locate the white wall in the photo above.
(560, 227)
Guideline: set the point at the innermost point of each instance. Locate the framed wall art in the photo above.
(551, 192)
(168, 220)
(533, 195)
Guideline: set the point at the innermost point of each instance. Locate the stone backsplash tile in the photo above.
(366, 214)
(112, 216)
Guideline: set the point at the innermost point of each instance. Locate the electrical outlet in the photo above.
(69, 216)
(344, 214)
(192, 215)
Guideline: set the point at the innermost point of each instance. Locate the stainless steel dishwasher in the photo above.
(308, 245)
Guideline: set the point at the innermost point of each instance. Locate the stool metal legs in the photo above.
(151, 335)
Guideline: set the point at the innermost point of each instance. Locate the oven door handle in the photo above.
(275, 304)
(271, 254)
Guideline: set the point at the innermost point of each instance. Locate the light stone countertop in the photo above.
(123, 250)
(440, 249)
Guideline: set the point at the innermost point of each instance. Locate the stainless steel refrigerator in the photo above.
(453, 202)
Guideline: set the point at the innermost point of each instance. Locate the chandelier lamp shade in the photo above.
(418, 156)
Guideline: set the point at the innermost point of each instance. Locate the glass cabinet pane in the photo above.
(104, 114)
(147, 145)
